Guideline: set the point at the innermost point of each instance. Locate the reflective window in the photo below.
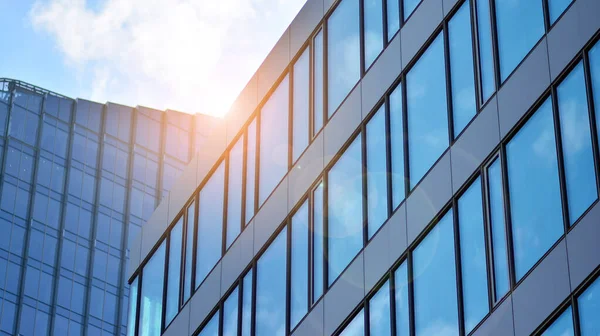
(461, 68)
(486, 51)
(250, 170)
(563, 326)
(299, 266)
(576, 138)
(247, 303)
(189, 245)
(300, 107)
(343, 53)
(377, 201)
(318, 243)
(211, 328)
(556, 8)
(520, 25)
(397, 146)
(152, 294)
(230, 314)
(409, 6)
(427, 110)
(379, 312)
(373, 30)
(594, 61)
(435, 282)
(318, 82)
(234, 192)
(173, 280)
(498, 228)
(589, 310)
(393, 18)
(534, 190)
(271, 288)
(472, 255)
(273, 141)
(401, 300)
(210, 224)
(356, 327)
(345, 217)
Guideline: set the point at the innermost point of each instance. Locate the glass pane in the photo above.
(563, 326)
(397, 146)
(377, 201)
(577, 149)
(175, 249)
(379, 312)
(461, 69)
(230, 314)
(589, 310)
(300, 104)
(520, 25)
(373, 17)
(318, 242)
(247, 303)
(210, 224)
(499, 249)
(234, 193)
(486, 51)
(345, 215)
(434, 276)
(270, 288)
(534, 190)
(250, 170)
(212, 327)
(401, 297)
(189, 245)
(393, 18)
(409, 7)
(427, 110)
(556, 8)
(343, 53)
(299, 267)
(594, 59)
(356, 326)
(472, 255)
(273, 141)
(133, 296)
(152, 294)
(318, 83)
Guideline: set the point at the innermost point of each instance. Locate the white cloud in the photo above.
(189, 55)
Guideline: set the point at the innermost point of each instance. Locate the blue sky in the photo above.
(187, 55)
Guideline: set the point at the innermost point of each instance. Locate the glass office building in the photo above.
(394, 167)
(78, 181)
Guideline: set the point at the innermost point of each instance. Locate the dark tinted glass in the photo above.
(299, 267)
(377, 200)
(300, 107)
(373, 30)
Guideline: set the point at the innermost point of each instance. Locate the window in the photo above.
(343, 53)
(563, 326)
(373, 30)
(300, 107)
(462, 77)
(498, 230)
(589, 308)
(594, 60)
(409, 7)
(299, 266)
(230, 314)
(271, 288)
(212, 326)
(152, 294)
(247, 303)
(576, 139)
(401, 300)
(356, 327)
(173, 276)
(318, 82)
(377, 201)
(427, 110)
(189, 245)
(345, 217)
(534, 190)
(486, 49)
(210, 224)
(379, 312)
(318, 243)
(234, 194)
(435, 303)
(520, 24)
(397, 146)
(250, 170)
(393, 18)
(273, 141)
(472, 255)
(556, 8)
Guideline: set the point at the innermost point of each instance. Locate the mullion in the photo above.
(493, 296)
(507, 218)
(475, 50)
(449, 108)
(487, 238)
(592, 115)
(458, 267)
